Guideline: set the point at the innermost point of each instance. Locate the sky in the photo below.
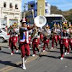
(63, 5)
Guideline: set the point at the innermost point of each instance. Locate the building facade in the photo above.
(47, 8)
(10, 12)
(40, 7)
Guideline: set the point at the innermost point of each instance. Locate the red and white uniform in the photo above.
(13, 40)
(46, 39)
(24, 42)
(35, 43)
(64, 42)
(54, 37)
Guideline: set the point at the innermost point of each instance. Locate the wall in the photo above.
(10, 13)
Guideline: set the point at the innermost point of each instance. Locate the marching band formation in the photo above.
(32, 36)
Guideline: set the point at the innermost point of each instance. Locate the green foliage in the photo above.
(66, 14)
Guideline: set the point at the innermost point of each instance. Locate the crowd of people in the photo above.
(32, 36)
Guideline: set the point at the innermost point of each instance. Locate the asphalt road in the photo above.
(47, 62)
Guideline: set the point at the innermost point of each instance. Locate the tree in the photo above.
(66, 14)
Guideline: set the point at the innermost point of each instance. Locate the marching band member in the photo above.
(35, 40)
(24, 42)
(61, 44)
(70, 33)
(16, 30)
(46, 38)
(64, 41)
(58, 32)
(54, 36)
(13, 40)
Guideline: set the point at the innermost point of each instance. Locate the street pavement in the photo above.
(46, 62)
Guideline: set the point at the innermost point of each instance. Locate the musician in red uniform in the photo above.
(46, 37)
(54, 36)
(13, 40)
(24, 42)
(35, 40)
(61, 44)
(64, 41)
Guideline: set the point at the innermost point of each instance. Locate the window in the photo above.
(46, 10)
(11, 5)
(32, 5)
(16, 6)
(4, 4)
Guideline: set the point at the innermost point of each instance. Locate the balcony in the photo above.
(10, 10)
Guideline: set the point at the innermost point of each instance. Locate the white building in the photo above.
(10, 12)
(47, 8)
(34, 5)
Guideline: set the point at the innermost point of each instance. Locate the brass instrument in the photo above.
(46, 34)
(39, 21)
(34, 32)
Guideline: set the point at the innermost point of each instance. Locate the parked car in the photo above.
(3, 35)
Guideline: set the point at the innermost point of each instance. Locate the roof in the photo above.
(54, 15)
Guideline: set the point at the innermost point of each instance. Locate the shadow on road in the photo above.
(10, 53)
(55, 51)
(9, 63)
(68, 57)
(49, 56)
(5, 52)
